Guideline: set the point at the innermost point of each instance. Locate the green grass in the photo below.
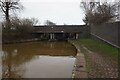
(100, 47)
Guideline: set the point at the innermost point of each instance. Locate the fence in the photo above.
(109, 32)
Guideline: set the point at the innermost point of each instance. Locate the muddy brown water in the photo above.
(38, 60)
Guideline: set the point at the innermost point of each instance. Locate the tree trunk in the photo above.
(7, 14)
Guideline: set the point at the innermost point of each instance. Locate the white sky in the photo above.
(57, 11)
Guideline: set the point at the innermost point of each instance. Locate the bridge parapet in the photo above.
(60, 29)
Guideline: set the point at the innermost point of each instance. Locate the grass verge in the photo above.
(100, 47)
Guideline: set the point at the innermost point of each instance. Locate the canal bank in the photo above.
(21, 41)
(79, 70)
(98, 65)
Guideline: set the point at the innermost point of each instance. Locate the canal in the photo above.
(41, 59)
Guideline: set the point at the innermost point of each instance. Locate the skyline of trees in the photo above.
(48, 22)
(99, 12)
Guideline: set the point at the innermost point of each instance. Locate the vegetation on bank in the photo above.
(15, 29)
(18, 29)
(100, 47)
(97, 47)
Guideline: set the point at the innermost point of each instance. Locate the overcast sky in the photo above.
(57, 11)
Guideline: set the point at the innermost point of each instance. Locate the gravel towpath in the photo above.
(100, 66)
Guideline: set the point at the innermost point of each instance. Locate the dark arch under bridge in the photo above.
(61, 31)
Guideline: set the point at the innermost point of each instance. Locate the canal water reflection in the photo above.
(38, 60)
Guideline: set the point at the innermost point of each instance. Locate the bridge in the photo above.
(61, 31)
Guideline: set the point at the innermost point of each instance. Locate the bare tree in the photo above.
(9, 5)
(48, 22)
(89, 8)
(22, 28)
(98, 12)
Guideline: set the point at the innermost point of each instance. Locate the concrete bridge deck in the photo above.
(52, 30)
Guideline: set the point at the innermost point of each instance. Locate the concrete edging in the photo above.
(79, 70)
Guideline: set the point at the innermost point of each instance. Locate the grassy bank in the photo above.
(100, 47)
(103, 57)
